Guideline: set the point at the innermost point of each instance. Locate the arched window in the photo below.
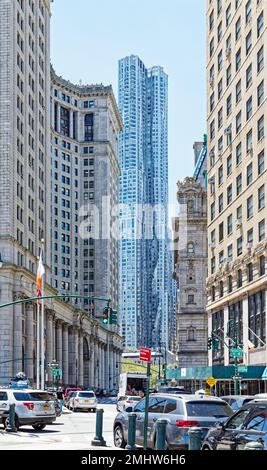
(190, 248)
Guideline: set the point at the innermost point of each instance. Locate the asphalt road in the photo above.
(70, 431)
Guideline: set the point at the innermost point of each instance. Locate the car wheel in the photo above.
(119, 440)
(39, 426)
(205, 448)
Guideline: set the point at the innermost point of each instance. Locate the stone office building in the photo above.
(87, 352)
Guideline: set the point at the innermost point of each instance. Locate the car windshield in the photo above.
(208, 409)
(32, 396)
(86, 395)
(134, 398)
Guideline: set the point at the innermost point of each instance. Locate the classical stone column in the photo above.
(111, 372)
(92, 374)
(49, 342)
(59, 345)
(17, 336)
(54, 351)
(73, 356)
(29, 366)
(80, 359)
(65, 354)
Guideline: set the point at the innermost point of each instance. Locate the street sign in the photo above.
(57, 373)
(242, 369)
(211, 381)
(236, 352)
(145, 354)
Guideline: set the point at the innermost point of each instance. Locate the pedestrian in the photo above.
(60, 397)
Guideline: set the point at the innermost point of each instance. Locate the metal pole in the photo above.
(146, 405)
(38, 349)
(98, 439)
(42, 345)
(161, 425)
(131, 431)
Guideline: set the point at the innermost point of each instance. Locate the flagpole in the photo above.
(42, 330)
(38, 348)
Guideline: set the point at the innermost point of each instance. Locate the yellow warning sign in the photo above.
(211, 381)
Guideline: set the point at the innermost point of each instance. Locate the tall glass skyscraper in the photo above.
(145, 307)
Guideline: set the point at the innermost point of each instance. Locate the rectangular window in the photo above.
(212, 101)
(220, 61)
(228, 15)
(261, 230)
(248, 42)
(261, 162)
(238, 154)
(260, 24)
(249, 140)
(230, 252)
(228, 75)
(212, 265)
(212, 211)
(238, 122)
(229, 224)
(229, 194)
(239, 184)
(219, 32)
(211, 47)
(238, 29)
(248, 11)
(250, 272)
(250, 236)
(220, 203)
(249, 108)
(249, 207)
(220, 89)
(249, 174)
(211, 20)
(229, 165)
(260, 93)
(238, 60)
(221, 232)
(220, 175)
(239, 246)
(261, 128)
(212, 130)
(249, 76)
(260, 60)
(262, 266)
(220, 118)
(261, 197)
(238, 91)
(229, 105)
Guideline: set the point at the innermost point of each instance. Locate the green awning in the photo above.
(264, 375)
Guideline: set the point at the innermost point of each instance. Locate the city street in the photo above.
(71, 431)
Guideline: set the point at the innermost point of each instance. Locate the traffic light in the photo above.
(215, 343)
(113, 317)
(105, 317)
(209, 343)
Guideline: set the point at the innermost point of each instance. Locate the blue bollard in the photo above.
(161, 425)
(195, 438)
(98, 439)
(131, 431)
(11, 423)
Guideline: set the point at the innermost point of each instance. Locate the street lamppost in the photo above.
(55, 372)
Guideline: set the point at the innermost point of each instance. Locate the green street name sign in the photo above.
(236, 352)
(242, 368)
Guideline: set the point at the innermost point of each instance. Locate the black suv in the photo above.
(248, 424)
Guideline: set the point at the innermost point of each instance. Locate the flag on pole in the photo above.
(39, 277)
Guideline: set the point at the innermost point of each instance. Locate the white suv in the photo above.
(82, 400)
(32, 407)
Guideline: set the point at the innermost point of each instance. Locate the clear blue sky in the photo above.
(88, 38)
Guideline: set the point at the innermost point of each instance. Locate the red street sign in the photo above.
(145, 354)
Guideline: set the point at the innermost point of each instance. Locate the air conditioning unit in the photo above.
(238, 223)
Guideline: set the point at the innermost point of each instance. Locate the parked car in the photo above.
(126, 400)
(67, 392)
(262, 396)
(32, 407)
(83, 400)
(173, 390)
(248, 424)
(181, 412)
(236, 401)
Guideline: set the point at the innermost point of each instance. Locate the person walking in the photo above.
(60, 397)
